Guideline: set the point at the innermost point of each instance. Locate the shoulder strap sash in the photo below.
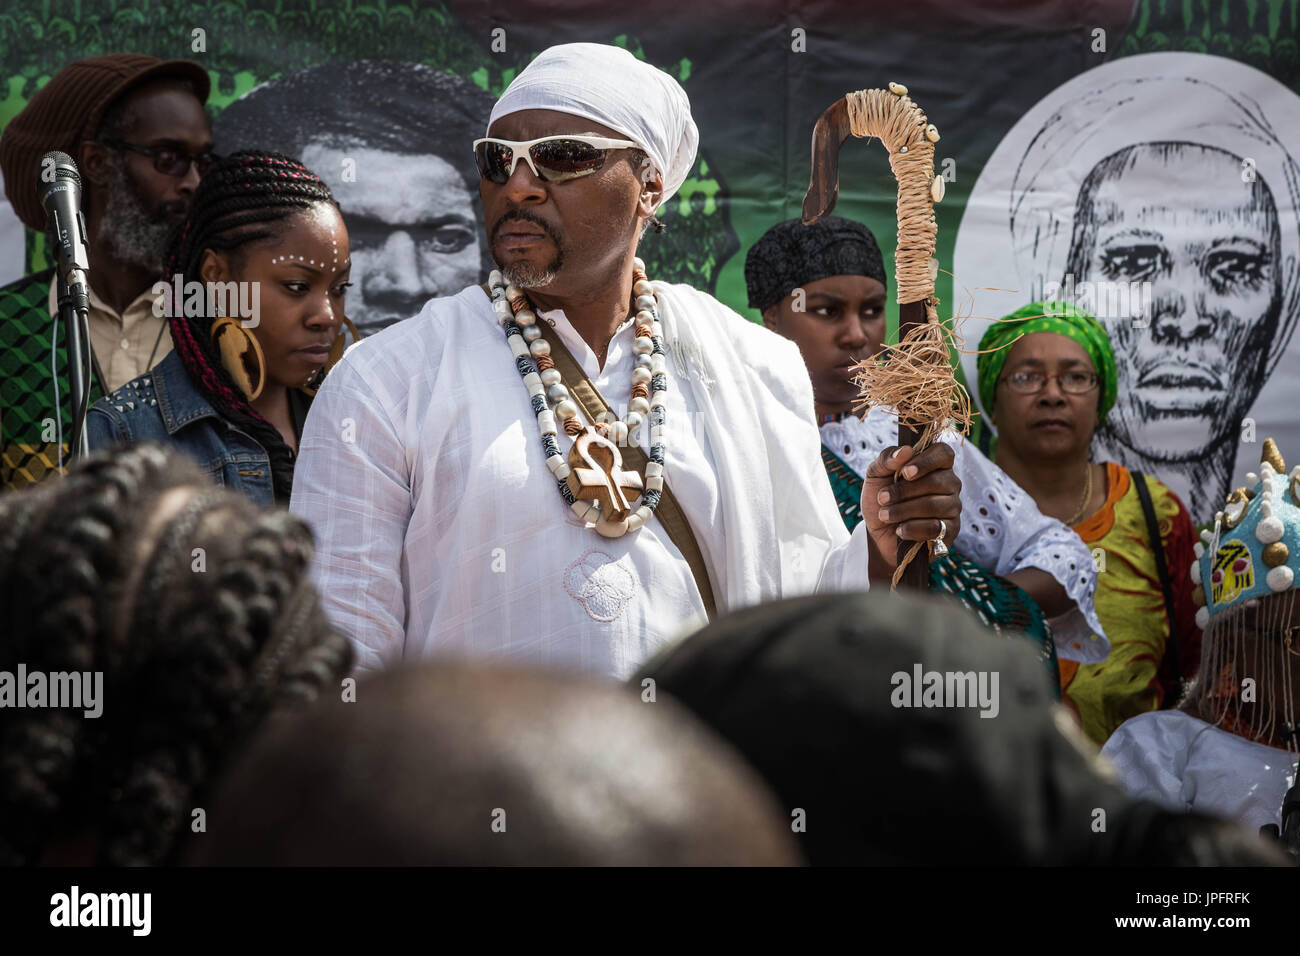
(669, 512)
(1162, 570)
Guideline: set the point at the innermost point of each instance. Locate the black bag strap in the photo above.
(1162, 569)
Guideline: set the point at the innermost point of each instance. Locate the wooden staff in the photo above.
(891, 116)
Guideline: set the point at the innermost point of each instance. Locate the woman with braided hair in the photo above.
(194, 606)
(263, 238)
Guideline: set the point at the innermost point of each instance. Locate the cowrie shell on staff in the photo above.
(937, 189)
(932, 133)
(898, 88)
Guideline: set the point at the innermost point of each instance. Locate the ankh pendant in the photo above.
(596, 472)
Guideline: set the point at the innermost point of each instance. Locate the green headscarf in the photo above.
(1058, 317)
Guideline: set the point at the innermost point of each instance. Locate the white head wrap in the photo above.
(610, 86)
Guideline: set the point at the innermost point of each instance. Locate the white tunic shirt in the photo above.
(440, 528)
(1174, 759)
(1002, 529)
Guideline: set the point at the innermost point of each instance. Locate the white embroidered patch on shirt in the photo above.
(602, 587)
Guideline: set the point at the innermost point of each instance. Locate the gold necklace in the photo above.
(1087, 493)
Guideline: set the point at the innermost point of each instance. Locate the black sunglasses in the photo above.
(552, 159)
(169, 160)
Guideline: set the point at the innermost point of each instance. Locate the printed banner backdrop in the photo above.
(1135, 141)
(1165, 188)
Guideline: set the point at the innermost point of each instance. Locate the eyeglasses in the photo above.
(1031, 383)
(553, 159)
(169, 160)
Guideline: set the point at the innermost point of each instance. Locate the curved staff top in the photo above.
(917, 379)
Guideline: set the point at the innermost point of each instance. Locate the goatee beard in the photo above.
(525, 275)
(133, 234)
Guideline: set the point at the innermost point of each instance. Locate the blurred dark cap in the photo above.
(806, 689)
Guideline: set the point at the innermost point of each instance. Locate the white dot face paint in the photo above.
(300, 294)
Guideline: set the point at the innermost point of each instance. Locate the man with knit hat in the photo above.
(824, 287)
(136, 127)
(459, 509)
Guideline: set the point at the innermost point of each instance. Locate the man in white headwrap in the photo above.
(459, 509)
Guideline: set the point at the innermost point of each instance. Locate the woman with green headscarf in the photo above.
(1047, 378)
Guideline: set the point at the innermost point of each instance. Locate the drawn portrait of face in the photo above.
(1180, 217)
(393, 142)
(1161, 193)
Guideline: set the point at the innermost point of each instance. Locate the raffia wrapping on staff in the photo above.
(916, 376)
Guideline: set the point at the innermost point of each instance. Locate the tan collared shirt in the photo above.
(123, 342)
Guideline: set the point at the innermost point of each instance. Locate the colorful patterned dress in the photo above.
(1000, 605)
(1139, 675)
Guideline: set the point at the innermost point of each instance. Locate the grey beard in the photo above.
(523, 275)
(134, 237)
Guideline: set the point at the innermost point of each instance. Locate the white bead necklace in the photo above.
(592, 480)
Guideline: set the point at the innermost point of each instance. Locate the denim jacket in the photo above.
(164, 406)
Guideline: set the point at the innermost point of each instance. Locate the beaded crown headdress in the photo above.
(1254, 548)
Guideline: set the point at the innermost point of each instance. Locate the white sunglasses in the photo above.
(552, 159)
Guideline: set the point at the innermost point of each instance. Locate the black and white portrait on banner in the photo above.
(394, 143)
(1159, 192)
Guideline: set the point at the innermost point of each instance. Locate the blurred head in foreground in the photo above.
(482, 765)
(156, 623)
(905, 733)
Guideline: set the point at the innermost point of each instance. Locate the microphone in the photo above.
(59, 189)
(58, 186)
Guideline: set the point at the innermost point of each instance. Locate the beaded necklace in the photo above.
(592, 480)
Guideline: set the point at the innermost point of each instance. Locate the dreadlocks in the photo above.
(194, 605)
(243, 198)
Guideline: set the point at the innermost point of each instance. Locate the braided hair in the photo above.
(195, 657)
(245, 197)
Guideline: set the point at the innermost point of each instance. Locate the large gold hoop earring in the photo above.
(337, 348)
(240, 355)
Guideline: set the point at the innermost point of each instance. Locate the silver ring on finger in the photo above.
(940, 549)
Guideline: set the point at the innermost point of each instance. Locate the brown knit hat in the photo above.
(68, 109)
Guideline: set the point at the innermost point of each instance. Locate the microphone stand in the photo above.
(74, 313)
(59, 189)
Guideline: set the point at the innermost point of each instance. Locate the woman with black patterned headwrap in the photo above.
(824, 287)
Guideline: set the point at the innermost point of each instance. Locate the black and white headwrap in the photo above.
(790, 255)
